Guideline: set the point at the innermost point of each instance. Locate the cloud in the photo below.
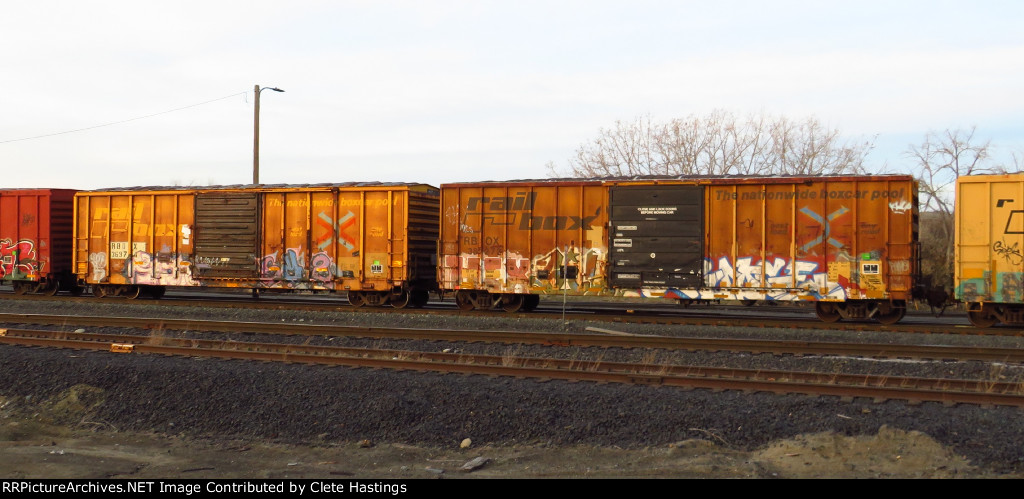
(455, 90)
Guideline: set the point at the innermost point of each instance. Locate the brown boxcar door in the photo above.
(657, 234)
(226, 235)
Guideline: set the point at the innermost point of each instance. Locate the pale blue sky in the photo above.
(451, 91)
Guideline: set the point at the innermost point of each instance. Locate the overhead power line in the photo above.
(122, 121)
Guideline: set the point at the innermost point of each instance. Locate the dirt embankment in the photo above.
(60, 438)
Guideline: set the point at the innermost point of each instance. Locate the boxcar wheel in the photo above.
(981, 319)
(50, 290)
(401, 300)
(464, 301)
(892, 317)
(512, 303)
(21, 288)
(130, 292)
(827, 312)
(99, 291)
(356, 299)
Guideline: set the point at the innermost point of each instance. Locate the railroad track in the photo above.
(727, 316)
(848, 386)
(599, 338)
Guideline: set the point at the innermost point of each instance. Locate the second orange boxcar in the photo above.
(847, 243)
(374, 241)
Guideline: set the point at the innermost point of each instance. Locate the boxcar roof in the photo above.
(261, 186)
(726, 179)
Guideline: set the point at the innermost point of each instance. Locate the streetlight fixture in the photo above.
(256, 134)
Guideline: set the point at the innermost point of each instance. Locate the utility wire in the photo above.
(122, 121)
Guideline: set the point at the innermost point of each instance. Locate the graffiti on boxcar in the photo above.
(899, 266)
(269, 267)
(289, 270)
(1009, 288)
(1010, 253)
(18, 259)
(162, 269)
(517, 266)
(777, 273)
(1009, 284)
(900, 207)
(566, 268)
(98, 262)
(322, 268)
(968, 290)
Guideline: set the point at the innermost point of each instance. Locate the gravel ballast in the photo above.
(301, 403)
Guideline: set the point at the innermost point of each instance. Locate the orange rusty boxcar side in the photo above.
(127, 238)
(848, 243)
(35, 239)
(820, 238)
(502, 240)
(374, 240)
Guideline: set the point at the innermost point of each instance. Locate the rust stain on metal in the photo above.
(122, 347)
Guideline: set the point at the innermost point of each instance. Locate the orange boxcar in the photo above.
(503, 243)
(375, 241)
(848, 243)
(35, 240)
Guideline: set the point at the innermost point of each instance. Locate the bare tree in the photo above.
(940, 160)
(717, 144)
(1016, 161)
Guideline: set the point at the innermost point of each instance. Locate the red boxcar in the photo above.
(35, 240)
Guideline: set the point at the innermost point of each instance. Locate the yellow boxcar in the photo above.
(990, 248)
(374, 241)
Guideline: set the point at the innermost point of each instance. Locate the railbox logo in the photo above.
(517, 211)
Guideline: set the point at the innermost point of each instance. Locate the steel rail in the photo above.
(755, 346)
(627, 313)
(878, 388)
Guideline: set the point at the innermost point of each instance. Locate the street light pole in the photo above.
(256, 134)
